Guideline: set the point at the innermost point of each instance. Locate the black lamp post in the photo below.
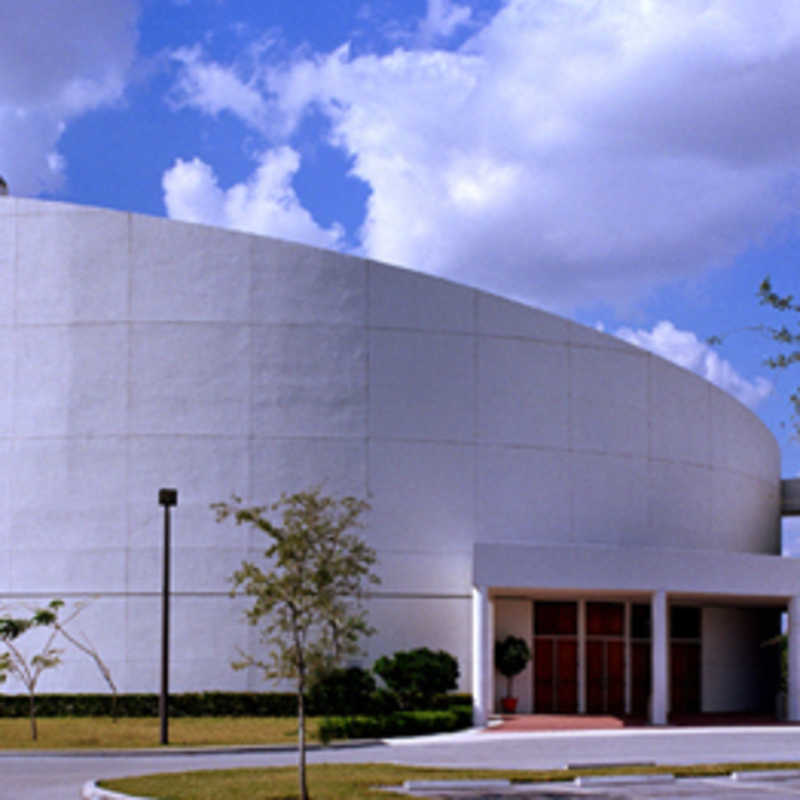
(166, 498)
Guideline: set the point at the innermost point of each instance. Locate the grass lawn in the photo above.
(79, 732)
(354, 781)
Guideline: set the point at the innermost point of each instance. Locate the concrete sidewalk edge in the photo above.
(189, 751)
(91, 791)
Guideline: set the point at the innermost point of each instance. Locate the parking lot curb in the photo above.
(91, 791)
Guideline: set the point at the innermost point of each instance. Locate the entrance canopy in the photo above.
(660, 578)
(773, 579)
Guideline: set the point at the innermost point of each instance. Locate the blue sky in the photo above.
(632, 164)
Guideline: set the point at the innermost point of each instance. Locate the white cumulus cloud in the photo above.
(214, 88)
(58, 60)
(265, 204)
(685, 349)
(443, 17)
(569, 151)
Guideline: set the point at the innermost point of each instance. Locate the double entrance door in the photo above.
(606, 640)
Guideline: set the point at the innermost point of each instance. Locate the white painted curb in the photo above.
(91, 791)
(767, 774)
(623, 780)
(420, 786)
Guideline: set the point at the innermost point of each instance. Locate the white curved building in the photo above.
(527, 475)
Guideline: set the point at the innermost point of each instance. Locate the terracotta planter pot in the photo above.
(509, 704)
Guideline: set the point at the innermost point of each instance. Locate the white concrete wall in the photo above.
(515, 618)
(139, 353)
(440, 623)
(730, 667)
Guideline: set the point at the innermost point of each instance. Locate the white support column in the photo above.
(628, 633)
(581, 656)
(533, 658)
(659, 647)
(793, 662)
(491, 671)
(482, 657)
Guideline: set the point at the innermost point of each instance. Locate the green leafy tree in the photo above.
(786, 337)
(417, 676)
(28, 669)
(308, 597)
(511, 656)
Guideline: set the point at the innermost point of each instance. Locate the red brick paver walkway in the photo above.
(578, 722)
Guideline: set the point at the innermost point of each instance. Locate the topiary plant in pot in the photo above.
(511, 656)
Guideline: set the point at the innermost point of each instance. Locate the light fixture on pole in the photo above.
(166, 498)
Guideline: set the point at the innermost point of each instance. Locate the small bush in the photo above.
(511, 656)
(417, 676)
(400, 723)
(444, 701)
(343, 691)
(383, 702)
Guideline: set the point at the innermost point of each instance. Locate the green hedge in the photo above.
(400, 723)
(193, 704)
(445, 701)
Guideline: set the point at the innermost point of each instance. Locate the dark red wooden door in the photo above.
(555, 675)
(605, 677)
(555, 643)
(544, 685)
(567, 665)
(685, 677)
(640, 677)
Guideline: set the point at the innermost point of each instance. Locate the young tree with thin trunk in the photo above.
(308, 597)
(29, 669)
(82, 642)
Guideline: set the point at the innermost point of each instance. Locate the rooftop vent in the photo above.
(3, 187)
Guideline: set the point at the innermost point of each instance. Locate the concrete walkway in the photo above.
(578, 722)
(555, 749)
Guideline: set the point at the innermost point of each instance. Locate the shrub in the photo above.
(342, 691)
(383, 701)
(191, 704)
(417, 676)
(400, 723)
(444, 701)
(511, 656)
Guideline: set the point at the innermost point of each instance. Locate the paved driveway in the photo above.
(555, 749)
(48, 777)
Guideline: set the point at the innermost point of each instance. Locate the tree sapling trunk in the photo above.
(32, 716)
(301, 742)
